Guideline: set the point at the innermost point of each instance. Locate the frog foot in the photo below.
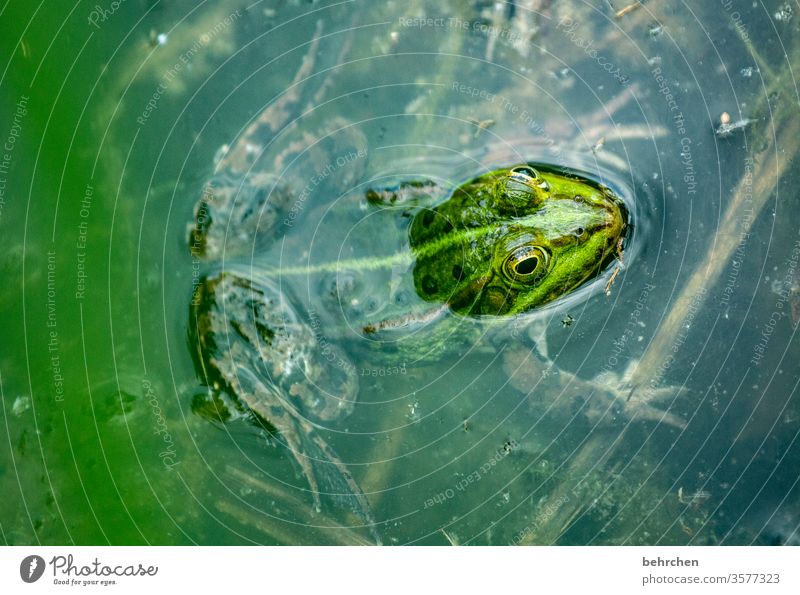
(639, 400)
(252, 344)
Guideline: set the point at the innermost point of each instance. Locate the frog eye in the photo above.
(522, 188)
(526, 265)
(524, 171)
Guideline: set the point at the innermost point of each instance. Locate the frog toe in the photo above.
(650, 413)
(639, 404)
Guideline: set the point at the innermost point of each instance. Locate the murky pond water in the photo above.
(655, 405)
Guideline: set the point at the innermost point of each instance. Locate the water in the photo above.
(114, 119)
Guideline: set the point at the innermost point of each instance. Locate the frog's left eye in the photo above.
(522, 188)
(526, 265)
(524, 172)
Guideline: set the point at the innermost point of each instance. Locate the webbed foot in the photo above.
(638, 401)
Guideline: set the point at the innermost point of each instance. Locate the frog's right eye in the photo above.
(525, 171)
(526, 265)
(522, 189)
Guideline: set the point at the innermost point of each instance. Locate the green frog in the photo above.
(505, 243)
(424, 266)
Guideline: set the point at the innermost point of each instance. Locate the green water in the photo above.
(112, 134)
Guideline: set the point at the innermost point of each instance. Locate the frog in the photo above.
(507, 242)
(460, 259)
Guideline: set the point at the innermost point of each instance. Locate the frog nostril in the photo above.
(580, 231)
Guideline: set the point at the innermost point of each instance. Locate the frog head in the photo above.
(514, 239)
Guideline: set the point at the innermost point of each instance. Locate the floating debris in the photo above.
(655, 30)
(452, 540)
(568, 320)
(695, 498)
(727, 127)
(481, 125)
(784, 13)
(747, 72)
(21, 405)
(618, 268)
(509, 445)
(628, 9)
(598, 146)
(413, 412)
(156, 38)
(613, 278)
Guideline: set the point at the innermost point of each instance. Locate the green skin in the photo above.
(507, 242)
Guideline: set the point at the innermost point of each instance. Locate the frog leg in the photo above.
(308, 448)
(242, 154)
(607, 392)
(638, 401)
(284, 113)
(247, 337)
(312, 453)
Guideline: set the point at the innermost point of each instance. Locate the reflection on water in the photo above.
(664, 412)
